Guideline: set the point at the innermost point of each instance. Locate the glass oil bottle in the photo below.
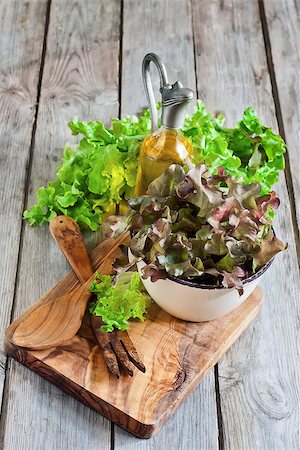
(166, 145)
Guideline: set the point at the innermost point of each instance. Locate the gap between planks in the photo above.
(120, 59)
(216, 371)
(151, 20)
(288, 177)
(3, 408)
(219, 409)
(278, 112)
(268, 50)
(81, 73)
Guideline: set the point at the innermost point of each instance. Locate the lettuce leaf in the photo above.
(250, 150)
(194, 224)
(101, 170)
(118, 303)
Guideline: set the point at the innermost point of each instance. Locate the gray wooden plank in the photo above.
(21, 35)
(259, 376)
(162, 27)
(80, 78)
(165, 27)
(192, 427)
(283, 22)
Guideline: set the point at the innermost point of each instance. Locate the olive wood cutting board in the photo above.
(177, 355)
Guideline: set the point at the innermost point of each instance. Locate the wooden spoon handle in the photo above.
(68, 236)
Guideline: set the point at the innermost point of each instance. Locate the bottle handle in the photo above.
(163, 77)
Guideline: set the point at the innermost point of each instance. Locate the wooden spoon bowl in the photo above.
(55, 322)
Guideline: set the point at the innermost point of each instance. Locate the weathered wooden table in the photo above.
(62, 58)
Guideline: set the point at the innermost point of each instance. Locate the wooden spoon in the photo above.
(116, 346)
(55, 322)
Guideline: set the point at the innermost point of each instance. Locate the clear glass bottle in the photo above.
(166, 145)
(159, 150)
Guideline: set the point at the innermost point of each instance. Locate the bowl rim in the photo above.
(219, 286)
(193, 284)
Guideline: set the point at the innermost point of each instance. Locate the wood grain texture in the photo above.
(258, 377)
(186, 429)
(154, 27)
(116, 346)
(165, 27)
(283, 22)
(56, 322)
(177, 355)
(66, 233)
(80, 78)
(21, 34)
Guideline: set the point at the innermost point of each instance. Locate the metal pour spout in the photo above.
(175, 97)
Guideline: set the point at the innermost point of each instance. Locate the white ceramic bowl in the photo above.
(194, 302)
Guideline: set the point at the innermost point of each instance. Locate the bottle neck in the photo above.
(169, 128)
(172, 117)
(167, 131)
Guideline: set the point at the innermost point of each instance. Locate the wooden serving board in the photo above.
(177, 355)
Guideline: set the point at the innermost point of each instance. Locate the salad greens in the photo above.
(250, 150)
(208, 228)
(101, 170)
(119, 302)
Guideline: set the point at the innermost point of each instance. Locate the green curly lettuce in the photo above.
(116, 304)
(101, 170)
(250, 150)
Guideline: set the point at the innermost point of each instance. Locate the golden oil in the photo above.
(159, 150)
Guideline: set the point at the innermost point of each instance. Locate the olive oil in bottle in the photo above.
(159, 150)
(167, 145)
